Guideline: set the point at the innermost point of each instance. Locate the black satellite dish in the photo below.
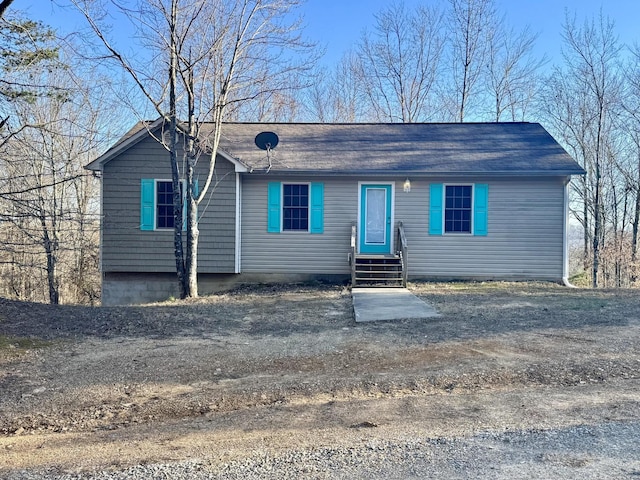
(266, 140)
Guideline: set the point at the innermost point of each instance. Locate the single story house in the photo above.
(454, 200)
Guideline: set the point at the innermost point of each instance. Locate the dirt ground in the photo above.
(271, 369)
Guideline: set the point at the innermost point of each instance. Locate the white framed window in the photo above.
(458, 208)
(295, 207)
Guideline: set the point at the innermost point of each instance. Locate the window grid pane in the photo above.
(457, 216)
(295, 211)
(164, 205)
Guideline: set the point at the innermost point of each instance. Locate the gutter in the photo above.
(420, 174)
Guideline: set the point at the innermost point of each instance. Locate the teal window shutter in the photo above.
(480, 208)
(147, 203)
(435, 209)
(274, 207)
(317, 208)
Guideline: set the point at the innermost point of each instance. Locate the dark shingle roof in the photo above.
(373, 148)
(447, 148)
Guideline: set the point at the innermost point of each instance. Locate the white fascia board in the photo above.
(239, 166)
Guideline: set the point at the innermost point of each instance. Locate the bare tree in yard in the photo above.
(469, 24)
(580, 102)
(36, 209)
(279, 106)
(400, 62)
(49, 200)
(338, 95)
(567, 115)
(615, 265)
(633, 184)
(37, 212)
(631, 168)
(512, 72)
(207, 55)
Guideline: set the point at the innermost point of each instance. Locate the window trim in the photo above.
(471, 208)
(282, 207)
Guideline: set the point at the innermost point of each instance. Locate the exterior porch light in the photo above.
(407, 185)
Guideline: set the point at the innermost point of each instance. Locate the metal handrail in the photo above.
(402, 250)
(352, 255)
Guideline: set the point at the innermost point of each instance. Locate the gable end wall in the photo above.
(126, 248)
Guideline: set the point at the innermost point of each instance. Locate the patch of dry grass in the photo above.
(11, 347)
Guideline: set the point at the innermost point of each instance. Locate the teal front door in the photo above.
(375, 219)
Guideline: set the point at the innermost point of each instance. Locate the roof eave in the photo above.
(240, 166)
(113, 152)
(475, 173)
(98, 163)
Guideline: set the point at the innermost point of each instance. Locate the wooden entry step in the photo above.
(377, 271)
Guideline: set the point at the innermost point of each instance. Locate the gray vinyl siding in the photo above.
(126, 248)
(297, 252)
(524, 241)
(525, 233)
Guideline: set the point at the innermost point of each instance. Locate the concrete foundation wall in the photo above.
(141, 288)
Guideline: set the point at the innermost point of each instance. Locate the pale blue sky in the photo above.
(337, 24)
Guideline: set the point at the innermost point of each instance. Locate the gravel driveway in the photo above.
(512, 381)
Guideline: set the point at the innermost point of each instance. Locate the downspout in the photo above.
(238, 250)
(565, 237)
(100, 175)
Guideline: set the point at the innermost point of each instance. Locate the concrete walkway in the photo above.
(373, 304)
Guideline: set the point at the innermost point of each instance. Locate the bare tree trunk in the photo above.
(398, 63)
(634, 227)
(192, 214)
(192, 237)
(464, 94)
(511, 70)
(469, 24)
(586, 230)
(49, 234)
(634, 237)
(598, 201)
(597, 227)
(54, 292)
(617, 230)
(173, 155)
(624, 270)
